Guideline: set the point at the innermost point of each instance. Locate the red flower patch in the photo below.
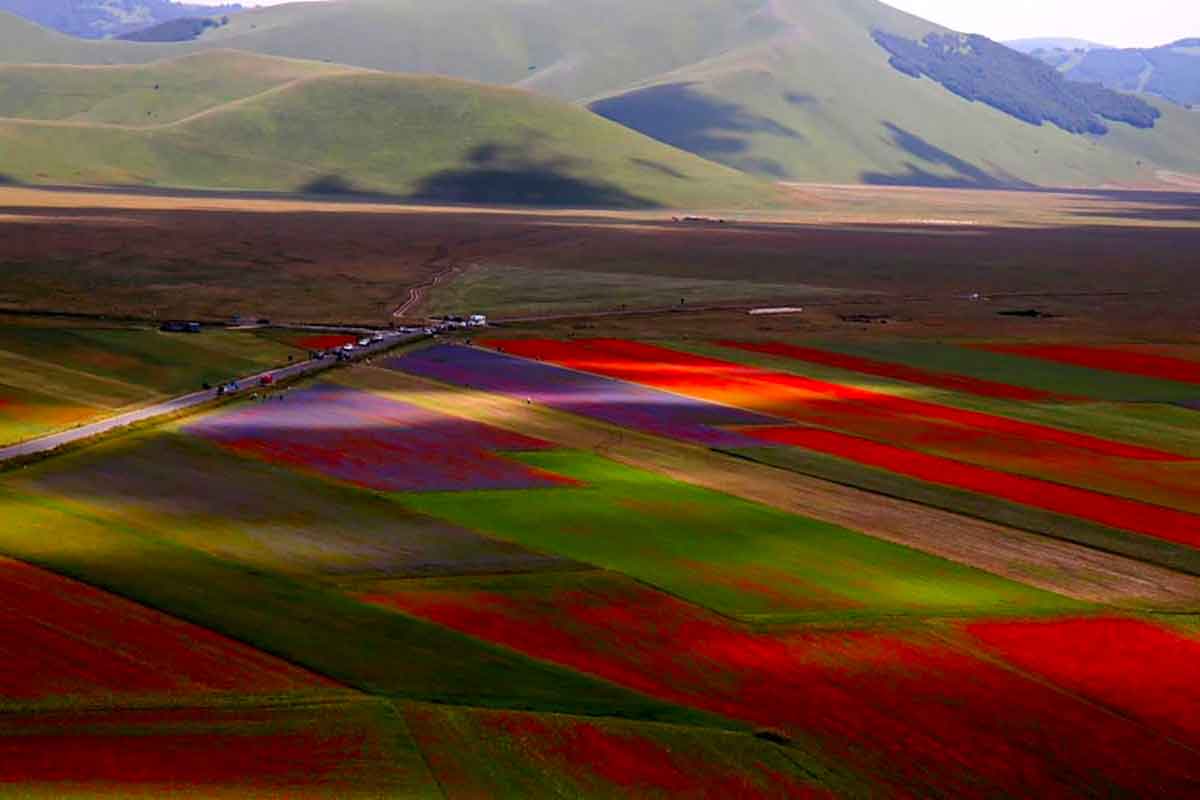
(1116, 512)
(900, 372)
(589, 757)
(377, 443)
(791, 396)
(1110, 359)
(1135, 667)
(61, 638)
(283, 752)
(326, 341)
(907, 709)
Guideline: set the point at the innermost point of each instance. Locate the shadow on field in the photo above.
(1145, 206)
(508, 175)
(680, 116)
(966, 175)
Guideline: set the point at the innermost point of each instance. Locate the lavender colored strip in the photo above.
(371, 441)
(617, 402)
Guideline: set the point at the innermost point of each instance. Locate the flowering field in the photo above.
(25, 414)
(901, 372)
(617, 402)
(344, 750)
(739, 558)
(1116, 512)
(376, 443)
(502, 753)
(272, 517)
(325, 341)
(907, 709)
(63, 639)
(1109, 359)
(1141, 669)
(792, 396)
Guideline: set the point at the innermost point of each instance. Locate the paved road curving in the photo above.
(46, 444)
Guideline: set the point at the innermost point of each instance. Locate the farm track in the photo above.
(1071, 570)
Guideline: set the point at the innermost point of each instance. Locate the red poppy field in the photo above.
(346, 750)
(1110, 359)
(789, 396)
(1141, 670)
(62, 639)
(901, 372)
(911, 710)
(1116, 512)
(572, 570)
(488, 753)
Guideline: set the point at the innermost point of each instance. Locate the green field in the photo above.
(271, 518)
(513, 291)
(303, 622)
(735, 557)
(849, 473)
(52, 378)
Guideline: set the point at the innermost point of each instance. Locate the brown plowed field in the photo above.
(904, 254)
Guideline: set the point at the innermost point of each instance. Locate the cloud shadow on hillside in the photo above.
(501, 174)
(965, 174)
(679, 115)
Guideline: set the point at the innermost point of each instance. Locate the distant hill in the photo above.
(1171, 71)
(99, 19)
(792, 90)
(184, 29)
(1029, 46)
(227, 120)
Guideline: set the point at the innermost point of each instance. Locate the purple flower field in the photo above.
(371, 441)
(617, 402)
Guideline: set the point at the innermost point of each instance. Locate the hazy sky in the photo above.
(1114, 22)
(1120, 23)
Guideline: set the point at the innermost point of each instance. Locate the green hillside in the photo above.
(796, 90)
(160, 92)
(415, 137)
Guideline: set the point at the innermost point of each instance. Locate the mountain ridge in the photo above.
(788, 90)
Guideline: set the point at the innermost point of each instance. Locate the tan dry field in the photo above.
(1062, 567)
(1117, 264)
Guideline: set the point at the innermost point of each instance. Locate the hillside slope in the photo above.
(156, 93)
(1171, 71)
(794, 90)
(413, 137)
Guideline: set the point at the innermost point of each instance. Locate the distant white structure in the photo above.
(769, 312)
(477, 321)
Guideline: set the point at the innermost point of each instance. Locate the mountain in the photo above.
(99, 19)
(239, 121)
(1030, 46)
(793, 90)
(1171, 71)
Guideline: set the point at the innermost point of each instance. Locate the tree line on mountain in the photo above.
(978, 69)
